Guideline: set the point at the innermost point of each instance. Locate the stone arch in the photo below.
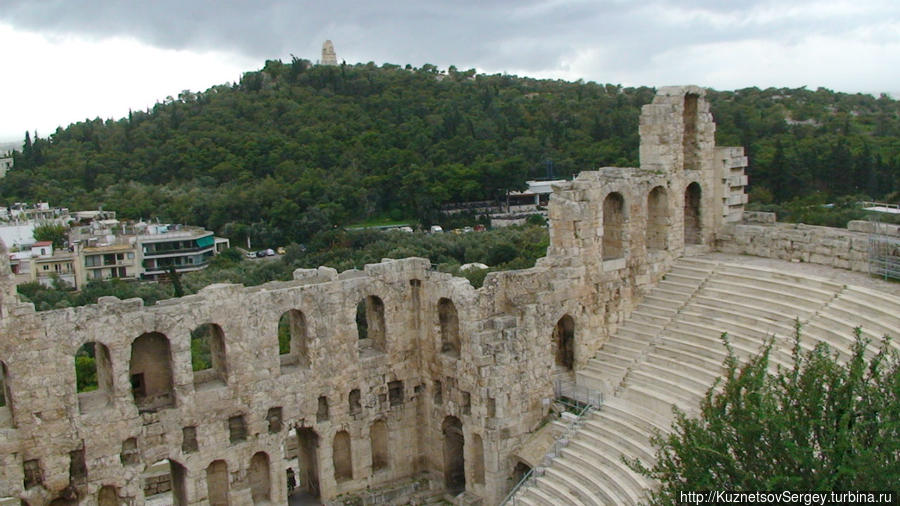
(564, 342)
(354, 401)
(217, 483)
(260, 481)
(342, 456)
(6, 410)
(208, 359)
(690, 139)
(448, 319)
(370, 324)
(477, 459)
(150, 371)
(613, 226)
(692, 222)
(107, 496)
(308, 460)
(657, 219)
(293, 339)
(93, 376)
(519, 471)
(454, 456)
(379, 437)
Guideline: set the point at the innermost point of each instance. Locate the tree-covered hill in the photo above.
(296, 148)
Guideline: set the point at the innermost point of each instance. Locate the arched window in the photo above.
(293, 345)
(378, 435)
(208, 355)
(107, 496)
(6, 412)
(370, 325)
(692, 224)
(613, 226)
(93, 377)
(260, 487)
(478, 459)
(454, 457)
(690, 142)
(449, 324)
(564, 342)
(217, 483)
(150, 371)
(342, 457)
(308, 460)
(657, 219)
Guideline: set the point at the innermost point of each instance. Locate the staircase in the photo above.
(669, 352)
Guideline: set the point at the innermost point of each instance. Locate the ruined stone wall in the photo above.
(451, 383)
(835, 247)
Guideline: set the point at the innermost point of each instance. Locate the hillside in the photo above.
(294, 148)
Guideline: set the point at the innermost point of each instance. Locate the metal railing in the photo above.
(585, 401)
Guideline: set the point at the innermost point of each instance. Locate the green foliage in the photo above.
(51, 232)
(201, 358)
(821, 425)
(85, 369)
(516, 247)
(287, 153)
(284, 334)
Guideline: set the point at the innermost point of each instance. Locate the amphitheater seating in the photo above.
(670, 351)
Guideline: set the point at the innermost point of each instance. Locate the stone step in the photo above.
(556, 485)
(768, 303)
(599, 493)
(753, 312)
(780, 277)
(741, 323)
(539, 496)
(867, 318)
(803, 306)
(632, 441)
(651, 315)
(662, 300)
(624, 482)
(671, 383)
(659, 401)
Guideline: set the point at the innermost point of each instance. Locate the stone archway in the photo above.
(564, 342)
(613, 226)
(308, 460)
(657, 219)
(150, 370)
(692, 223)
(454, 455)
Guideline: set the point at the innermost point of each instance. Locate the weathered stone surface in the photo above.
(442, 368)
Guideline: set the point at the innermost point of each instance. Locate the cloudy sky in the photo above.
(64, 60)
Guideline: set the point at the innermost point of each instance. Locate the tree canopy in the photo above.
(824, 424)
(294, 148)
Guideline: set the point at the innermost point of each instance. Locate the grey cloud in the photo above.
(533, 35)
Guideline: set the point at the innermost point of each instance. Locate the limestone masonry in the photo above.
(441, 380)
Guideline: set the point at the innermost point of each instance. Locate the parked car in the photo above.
(270, 252)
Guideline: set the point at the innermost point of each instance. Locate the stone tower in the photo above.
(328, 55)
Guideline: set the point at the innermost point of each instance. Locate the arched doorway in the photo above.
(692, 227)
(308, 461)
(613, 226)
(454, 456)
(564, 342)
(657, 219)
(449, 323)
(260, 491)
(150, 370)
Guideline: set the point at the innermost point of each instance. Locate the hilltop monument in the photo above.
(328, 55)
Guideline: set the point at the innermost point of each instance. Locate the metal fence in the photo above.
(584, 400)
(884, 254)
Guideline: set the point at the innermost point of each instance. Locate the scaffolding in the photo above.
(884, 251)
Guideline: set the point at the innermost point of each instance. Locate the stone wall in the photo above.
(796, 242)
(449, 380)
